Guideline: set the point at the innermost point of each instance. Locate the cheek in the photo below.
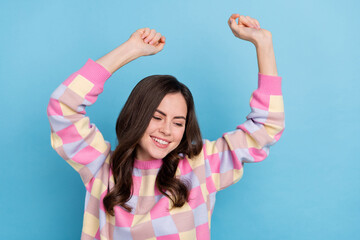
(179, 135)
(143, 142)
(151, 128)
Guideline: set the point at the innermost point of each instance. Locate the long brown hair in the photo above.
(131, 124)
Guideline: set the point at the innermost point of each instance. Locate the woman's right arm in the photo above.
(73, 137)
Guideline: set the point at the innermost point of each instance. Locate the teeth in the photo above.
(160, 141)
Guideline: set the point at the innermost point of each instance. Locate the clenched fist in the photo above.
(248, 29)
(146, 41)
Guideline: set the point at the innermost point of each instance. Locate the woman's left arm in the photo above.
(251, 141)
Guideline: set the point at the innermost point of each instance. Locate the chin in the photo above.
(159, 155)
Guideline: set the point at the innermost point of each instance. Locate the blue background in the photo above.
(308, 187)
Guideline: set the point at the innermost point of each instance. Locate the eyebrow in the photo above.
(176, 117)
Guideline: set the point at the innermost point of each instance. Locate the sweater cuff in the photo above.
(95, 73)
(269, 84)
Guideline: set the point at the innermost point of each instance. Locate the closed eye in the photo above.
(157, 118)
(179, 124)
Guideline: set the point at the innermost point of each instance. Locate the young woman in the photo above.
(161, 180)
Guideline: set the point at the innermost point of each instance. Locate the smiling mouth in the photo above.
(160, 143)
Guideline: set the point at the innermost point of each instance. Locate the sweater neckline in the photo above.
(148, 164)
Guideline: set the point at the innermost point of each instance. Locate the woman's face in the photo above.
(165, 129)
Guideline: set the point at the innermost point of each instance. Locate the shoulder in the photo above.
(187, 164)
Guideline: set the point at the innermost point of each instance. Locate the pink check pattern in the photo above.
(220, 164)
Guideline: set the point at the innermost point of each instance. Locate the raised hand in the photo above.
(248, 29)
(147, 41)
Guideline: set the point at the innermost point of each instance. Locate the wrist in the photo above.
(118, 57)
(131, 50)
(263, 40)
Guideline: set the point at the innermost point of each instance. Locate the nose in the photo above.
(165, 128)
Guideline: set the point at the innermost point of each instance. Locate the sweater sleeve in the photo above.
(73, 137)
(250, 142)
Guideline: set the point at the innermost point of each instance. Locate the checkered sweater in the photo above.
(219, 165)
